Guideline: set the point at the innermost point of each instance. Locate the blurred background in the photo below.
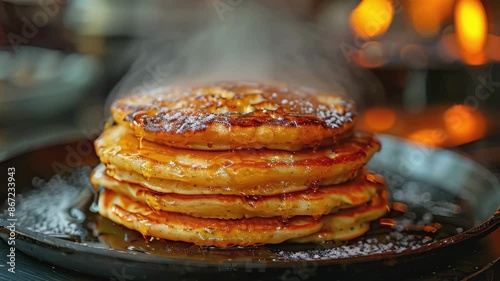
(423, 70)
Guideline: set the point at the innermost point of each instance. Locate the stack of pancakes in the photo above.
(238, 163)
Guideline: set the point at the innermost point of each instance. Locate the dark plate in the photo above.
(450, 200)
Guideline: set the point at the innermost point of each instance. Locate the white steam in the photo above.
(251, 41)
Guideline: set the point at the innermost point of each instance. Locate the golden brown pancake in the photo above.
(232, 172)
(310, 203)
(180, 187)
(345, 224)
(349, 223)
(238, 163)
(204, 232)
(233, 115)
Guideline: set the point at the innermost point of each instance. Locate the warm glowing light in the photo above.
(429, 137)
(471, 29)
(372, 17)
(428, 16)
(379, 119)
(464, 124)
(492, 50)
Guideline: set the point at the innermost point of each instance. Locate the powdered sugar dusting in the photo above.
(431, 215)
(49, 209)
(391, 243)
(333, 115)
(177, 122)
(334, 118)
(190, 110)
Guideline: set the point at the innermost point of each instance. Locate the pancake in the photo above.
(349, 223)
(233, 115)
(204, 232)
(310, 203)
(180, 187)
(239, 232)
(236, 170)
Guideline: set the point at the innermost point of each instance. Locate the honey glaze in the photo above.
(237, 169)
(321, 201)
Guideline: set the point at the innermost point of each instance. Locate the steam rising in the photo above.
(250, 42)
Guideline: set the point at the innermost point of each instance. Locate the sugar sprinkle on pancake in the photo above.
(232, 115)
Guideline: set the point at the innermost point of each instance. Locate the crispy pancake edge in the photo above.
(311, 203)
(237, 168)
(343, 225)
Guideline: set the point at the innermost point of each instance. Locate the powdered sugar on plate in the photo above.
(392, 243)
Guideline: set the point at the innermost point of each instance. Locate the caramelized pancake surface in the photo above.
(235, 171)
(349, 223)
(311, 203)
(233, 115)
(180, 187)
(345, 224)
(202, 231)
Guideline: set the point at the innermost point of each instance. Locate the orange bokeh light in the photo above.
(471, 30)
(464, 124)
(429, 137)
(379, 119)
(428, 16)
(372, 18)
(492, 44)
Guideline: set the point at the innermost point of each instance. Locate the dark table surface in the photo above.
(477, 261)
